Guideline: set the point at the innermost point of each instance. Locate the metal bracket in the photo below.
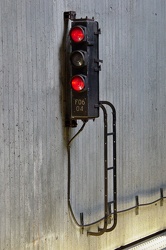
(98, 61)
(70, 123)
(162, 196)
(137, 205)
(98, 32)
(70, 15)
(82, 222)
(98, 67)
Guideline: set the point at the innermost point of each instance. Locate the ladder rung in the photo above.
(111, 202)
(110, 133)
(110, 168)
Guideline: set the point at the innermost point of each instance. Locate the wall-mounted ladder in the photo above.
(110, 207)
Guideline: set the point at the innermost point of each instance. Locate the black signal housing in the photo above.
(84, 61)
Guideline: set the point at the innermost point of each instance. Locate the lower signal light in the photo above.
(78, 83)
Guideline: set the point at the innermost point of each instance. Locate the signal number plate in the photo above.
(79, 107)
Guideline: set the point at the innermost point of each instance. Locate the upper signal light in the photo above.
(77, 34)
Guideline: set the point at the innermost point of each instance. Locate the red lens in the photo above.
(77, 83)
(77, 34)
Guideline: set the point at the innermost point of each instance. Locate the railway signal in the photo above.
(83, 95)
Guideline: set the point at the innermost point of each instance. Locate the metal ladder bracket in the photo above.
(82, 222)
(137, 205)
(161, 196)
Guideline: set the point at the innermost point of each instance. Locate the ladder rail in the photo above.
(103, 230)
(106, 169)
(114, 163)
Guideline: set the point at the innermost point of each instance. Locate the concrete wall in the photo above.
(33, 154)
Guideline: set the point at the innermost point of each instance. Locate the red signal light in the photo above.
(78, 83)
(77, 34)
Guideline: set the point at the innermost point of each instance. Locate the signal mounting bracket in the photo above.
(70, 15)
